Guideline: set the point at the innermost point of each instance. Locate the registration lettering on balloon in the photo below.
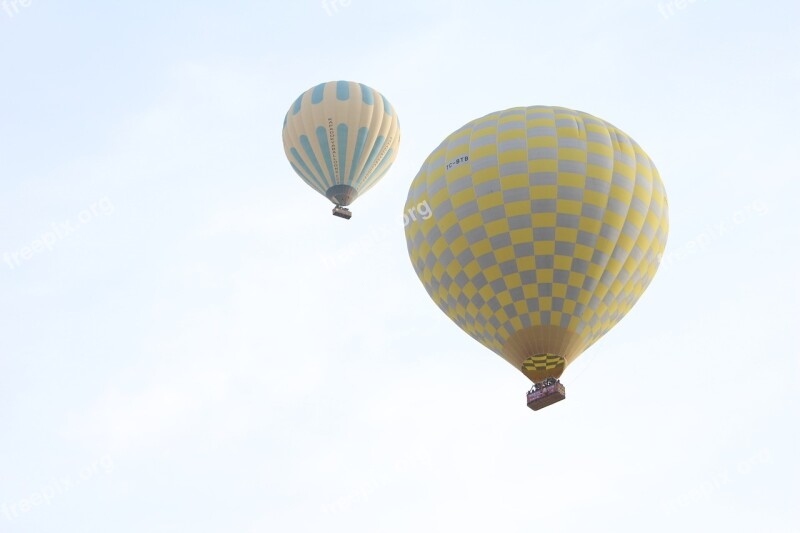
(457, 161)
(332, 139)
(379, 159)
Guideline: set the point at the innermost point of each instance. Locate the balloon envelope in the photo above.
(536, 230)
(341, 137)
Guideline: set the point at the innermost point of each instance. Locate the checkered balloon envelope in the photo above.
(545, 225)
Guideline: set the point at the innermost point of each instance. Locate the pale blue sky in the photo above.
(170, 359)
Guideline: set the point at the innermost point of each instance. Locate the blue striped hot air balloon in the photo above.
(341, 137)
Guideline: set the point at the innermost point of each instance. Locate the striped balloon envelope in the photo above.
(536, 230)
(341, 137)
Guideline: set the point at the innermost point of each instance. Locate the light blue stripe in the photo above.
(381, 169)
(366, 95)
(324, 147)
(386, 107)
(285, 119)
(361, 139)
(318, 93)
(305, 168)
(313, 158)
(372, 180)
(343, 90)
(305, 178)
(376, 148)
(297, 104)
(341, 144)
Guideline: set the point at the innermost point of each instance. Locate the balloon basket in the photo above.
(342, 212)
(543, 395)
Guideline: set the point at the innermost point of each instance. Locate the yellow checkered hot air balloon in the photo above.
(341, 137)
(536, 230)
